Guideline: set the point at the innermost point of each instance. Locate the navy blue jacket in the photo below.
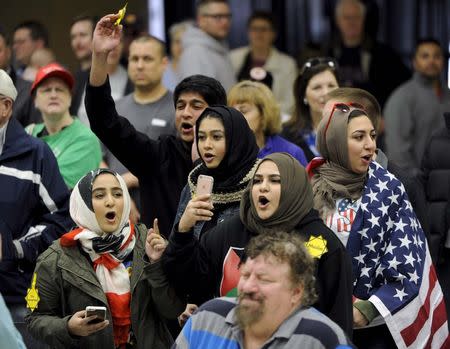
(34, 208)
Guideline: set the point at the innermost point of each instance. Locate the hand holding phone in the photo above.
(100, 312)
(200, 207)
(81, 325)
(204, 185)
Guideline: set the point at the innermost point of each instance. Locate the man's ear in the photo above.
(297, 294)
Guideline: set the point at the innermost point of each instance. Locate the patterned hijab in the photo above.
(334, 178)
(107, 251)
(237, 167)
(296, 199)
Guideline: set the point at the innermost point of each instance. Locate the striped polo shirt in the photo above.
(214, 326)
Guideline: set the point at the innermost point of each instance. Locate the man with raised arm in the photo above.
(161, 165)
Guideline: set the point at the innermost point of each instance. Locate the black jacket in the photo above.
(196, 268)
(81, 79)
(436, 177)
(162, 166)
(24, 110)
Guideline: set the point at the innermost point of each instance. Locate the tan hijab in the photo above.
(296, 198)
(335, 179)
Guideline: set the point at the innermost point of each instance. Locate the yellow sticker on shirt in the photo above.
(32, 296)
(122, 12)
(316, 246)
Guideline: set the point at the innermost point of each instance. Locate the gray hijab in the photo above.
(335, 179)
(296, 198)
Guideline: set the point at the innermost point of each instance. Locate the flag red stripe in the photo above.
(120, 307)
(67, 240)
(410, 333)
(439, 318)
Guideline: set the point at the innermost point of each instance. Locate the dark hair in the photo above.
(264, 15)
(427, 40)
(147, 38)
(301, 118)
(85, 17)
(290, 249)
(37, 30)
(209, 88)
(4, 36)
(203, 3)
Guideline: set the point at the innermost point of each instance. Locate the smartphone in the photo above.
(94, 310)
(204, 185)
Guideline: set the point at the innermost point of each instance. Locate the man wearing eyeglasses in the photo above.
(205, 50)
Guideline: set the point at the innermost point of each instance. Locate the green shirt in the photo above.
(76, 148)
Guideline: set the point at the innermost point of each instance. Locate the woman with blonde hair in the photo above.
(262, 112)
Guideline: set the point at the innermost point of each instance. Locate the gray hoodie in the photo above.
(202, 54)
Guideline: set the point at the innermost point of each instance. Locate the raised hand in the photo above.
(79, 325)
(106, 35)
(155, 244)
(197, 209)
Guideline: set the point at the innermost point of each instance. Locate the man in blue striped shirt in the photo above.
(276, 287)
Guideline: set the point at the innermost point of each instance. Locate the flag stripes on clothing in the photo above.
(392, 265)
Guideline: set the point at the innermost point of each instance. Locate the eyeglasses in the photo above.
(219, 16)
(312, 62)
(343, 108)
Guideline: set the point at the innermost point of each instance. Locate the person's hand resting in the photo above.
(359, 320)
(186, 314)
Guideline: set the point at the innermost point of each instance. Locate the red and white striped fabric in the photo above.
(422, 323)
(112, 275)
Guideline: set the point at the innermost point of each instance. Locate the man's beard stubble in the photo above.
(248, 315)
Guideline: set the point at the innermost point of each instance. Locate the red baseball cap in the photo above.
(53, 70)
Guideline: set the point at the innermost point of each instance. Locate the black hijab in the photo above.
(238, 165)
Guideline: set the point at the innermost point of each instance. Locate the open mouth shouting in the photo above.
(187, 128)
(366, 159)
(263, 202)
(111, 217)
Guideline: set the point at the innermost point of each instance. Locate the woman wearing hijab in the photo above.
(278, 197)
(228, 153)
(369, 211)
(106, 261)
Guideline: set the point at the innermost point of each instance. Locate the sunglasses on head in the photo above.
(344, 108)
(331, 62)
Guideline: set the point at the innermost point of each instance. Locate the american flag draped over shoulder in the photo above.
(392, 266)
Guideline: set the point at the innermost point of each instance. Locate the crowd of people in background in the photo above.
(204, 197)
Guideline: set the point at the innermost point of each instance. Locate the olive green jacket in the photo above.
(66, 283)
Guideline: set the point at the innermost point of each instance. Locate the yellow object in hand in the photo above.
(122, 12)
